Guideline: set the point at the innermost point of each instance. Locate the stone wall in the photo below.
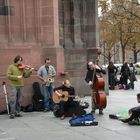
(64, 30)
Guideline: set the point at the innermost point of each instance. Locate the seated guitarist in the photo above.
(92, 71)
(69, 107)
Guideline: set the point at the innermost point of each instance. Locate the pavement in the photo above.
(44, 126)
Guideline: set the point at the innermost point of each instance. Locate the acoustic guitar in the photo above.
(59, 96)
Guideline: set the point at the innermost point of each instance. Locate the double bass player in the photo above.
(93, 72)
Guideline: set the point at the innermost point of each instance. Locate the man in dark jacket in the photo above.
(125, 73)
(112, 71)
(91, 75)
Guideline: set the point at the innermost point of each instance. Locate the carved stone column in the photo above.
(78, 18)
(50, 33)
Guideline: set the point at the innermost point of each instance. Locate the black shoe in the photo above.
(18, 115)
(134, 122)
(62, 117)
(125, 120)
(101, 112)
(93, 111)
(113, 116)
(12, 116)
(47, 110)
(95, 123)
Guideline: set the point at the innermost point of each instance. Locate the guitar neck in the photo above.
(71, 95)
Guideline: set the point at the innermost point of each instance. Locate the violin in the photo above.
(26, 67)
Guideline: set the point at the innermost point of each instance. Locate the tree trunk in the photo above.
(123, 54)
(134, 53)
(109, 57)
(135, 56)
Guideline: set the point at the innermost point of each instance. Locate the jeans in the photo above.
(15, 99)
(48, 93)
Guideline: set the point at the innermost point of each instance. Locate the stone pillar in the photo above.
(77, 23)
(68, 23)
(49, 23)
(96, 23)
(92, 24)
(50, 33)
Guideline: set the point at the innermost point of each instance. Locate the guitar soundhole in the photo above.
(63, 96)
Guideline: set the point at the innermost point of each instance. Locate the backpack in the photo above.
(28, 108)
(38, 98)
(58, 111)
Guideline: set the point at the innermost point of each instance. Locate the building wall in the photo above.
(63, 30)
(78, 26)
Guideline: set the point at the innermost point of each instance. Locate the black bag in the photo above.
(28, 108)
(58, 111)
(84, 105)
(38, 98)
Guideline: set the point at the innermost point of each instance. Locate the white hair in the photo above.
(90, 63)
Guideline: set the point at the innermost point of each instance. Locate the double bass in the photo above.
(98, 94)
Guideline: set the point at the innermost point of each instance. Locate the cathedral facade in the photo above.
(66, 31)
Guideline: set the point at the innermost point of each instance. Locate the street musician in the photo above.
(46, 74)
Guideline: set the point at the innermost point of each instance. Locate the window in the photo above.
(5, 10)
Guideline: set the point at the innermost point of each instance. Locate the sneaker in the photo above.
(46, 110)
(113, 116)
(62, 117)
(12, 116)
(134, 122)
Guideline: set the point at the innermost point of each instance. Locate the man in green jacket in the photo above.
(15, 74)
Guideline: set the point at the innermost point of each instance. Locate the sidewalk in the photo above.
(44, 126)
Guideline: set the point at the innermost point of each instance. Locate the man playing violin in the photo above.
(16, 75)
(46, 74)
(91, 76)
